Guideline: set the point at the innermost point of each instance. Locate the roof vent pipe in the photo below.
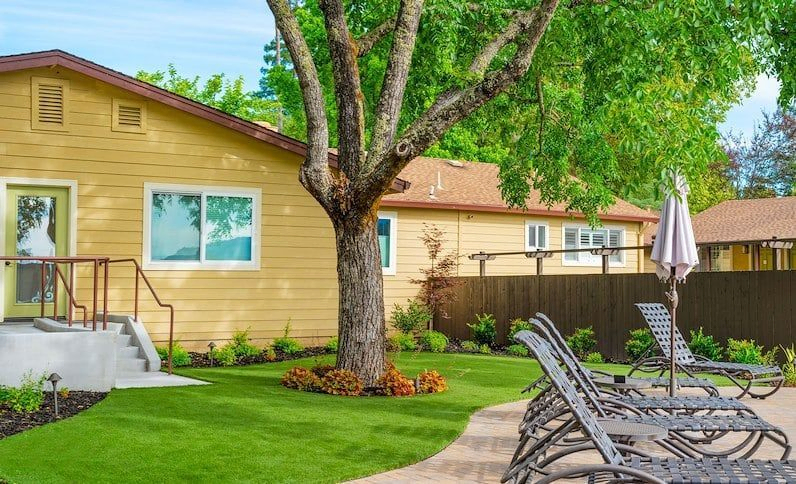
(431, 192)
(439, 180)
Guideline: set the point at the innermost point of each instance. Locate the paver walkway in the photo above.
(483, 451)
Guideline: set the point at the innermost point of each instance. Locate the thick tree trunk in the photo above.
(361, 316)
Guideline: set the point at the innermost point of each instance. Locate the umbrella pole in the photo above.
(672, 351)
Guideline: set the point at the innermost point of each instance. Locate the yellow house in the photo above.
(97, 164)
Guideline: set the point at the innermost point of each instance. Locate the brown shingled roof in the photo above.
(474, 187)
(747, 220)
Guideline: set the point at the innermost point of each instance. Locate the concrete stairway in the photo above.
(128, 356)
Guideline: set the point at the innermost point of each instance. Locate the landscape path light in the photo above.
(54, 378)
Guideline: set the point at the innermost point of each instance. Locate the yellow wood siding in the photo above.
(297, 280)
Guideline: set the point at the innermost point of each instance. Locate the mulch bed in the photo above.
(202, 360)
(12, 423)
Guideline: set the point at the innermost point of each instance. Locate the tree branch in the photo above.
(540, 97)
(392, 90)
(347, 89)
(520, 23)
(315, 174)
(370, 39)
(455, 105)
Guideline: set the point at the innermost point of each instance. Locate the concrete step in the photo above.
(128, 352)
(130, 365)
(123, 340)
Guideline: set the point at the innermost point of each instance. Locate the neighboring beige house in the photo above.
(463, 199)
(731, 235)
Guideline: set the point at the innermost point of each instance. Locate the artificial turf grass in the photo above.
(246, 427)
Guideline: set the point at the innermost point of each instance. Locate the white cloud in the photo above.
(742, 118)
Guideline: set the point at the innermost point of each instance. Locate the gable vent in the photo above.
(50, 103)
(130, 116)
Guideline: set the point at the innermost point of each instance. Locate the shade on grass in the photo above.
(246, 427)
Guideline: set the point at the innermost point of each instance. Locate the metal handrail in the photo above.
(140, 272)
(69, 292)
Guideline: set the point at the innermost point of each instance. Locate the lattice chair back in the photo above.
(580, 375)
(560, 344)
(580, 410)
(660, 322)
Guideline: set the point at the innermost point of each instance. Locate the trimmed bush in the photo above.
(332, 345)
(341, 382)
(704, 345)
(517, 350)
(225, 356)
(485, 350)
(431, 382)
(393, 383)
(470, 346)
(789, 368)
(594, 358)
(517, 325)
(299, 378)
(411, 318)
(483, 329)
(582, 342)
(287, 345)
(640, 341)
(433, 341)
(402, 342)
(241, 345)
(179, 355)
(27, 397)
(744, 351)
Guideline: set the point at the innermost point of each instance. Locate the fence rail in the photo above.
(756, 305)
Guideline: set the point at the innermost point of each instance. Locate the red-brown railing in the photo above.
(69, 286)
(139, 273)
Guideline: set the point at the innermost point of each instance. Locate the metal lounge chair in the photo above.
(624, 463)
(690, 382)
(659, 322)
(688, 433)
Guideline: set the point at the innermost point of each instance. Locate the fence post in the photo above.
(481, 257)
(605, 263)
(539, 266)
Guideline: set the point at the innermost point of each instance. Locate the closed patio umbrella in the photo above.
(674, 253)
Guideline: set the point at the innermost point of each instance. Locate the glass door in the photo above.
(37, 221)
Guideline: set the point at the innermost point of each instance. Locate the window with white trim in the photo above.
(588, 238)
(387, 228)
(189, 227)
(535, 235)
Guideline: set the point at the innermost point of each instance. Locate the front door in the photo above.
(36, 221)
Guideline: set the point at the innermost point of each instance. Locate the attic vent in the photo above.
(50, 100)
(129, 116)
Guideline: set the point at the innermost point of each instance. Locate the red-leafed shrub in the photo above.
(300, 378)
(322, 370)
(432, 382)
(394, 383)
(341, 382)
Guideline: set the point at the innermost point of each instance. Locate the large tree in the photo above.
(574, 98)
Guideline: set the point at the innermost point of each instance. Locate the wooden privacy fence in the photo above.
(751, 305)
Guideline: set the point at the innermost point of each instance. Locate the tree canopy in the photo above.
(616, 91)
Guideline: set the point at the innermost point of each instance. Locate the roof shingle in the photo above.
(747, 220)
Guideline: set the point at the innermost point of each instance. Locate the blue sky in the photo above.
(200, 37)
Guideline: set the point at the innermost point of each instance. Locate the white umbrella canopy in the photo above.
(674, 253)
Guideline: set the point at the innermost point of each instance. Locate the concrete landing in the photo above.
(154, 380)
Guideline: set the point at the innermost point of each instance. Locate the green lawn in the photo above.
(246, 427)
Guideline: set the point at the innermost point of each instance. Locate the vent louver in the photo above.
(51, 104)
(130, 116)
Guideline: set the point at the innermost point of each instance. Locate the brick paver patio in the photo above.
(483, 451)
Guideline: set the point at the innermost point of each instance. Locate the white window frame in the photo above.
(391, 269)
(585, 258)
(204, 191)
(537, 224)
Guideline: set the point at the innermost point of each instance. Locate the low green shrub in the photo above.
(770, 357)
(594, 357)
(433, 341)
(789, 367)
(224, 356)
(410, 318)
(517, 325)
(341, 382)
(704, 345)
(27, 397)
(517, 350)
(179, 355)
(640, 341)
(402, 342)
(483, 329)
(332, 345)
(470, 346)
(287, 345)
(485, 349)
(241, 345)
(582, 342)
(299, 378)
(744, 351)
